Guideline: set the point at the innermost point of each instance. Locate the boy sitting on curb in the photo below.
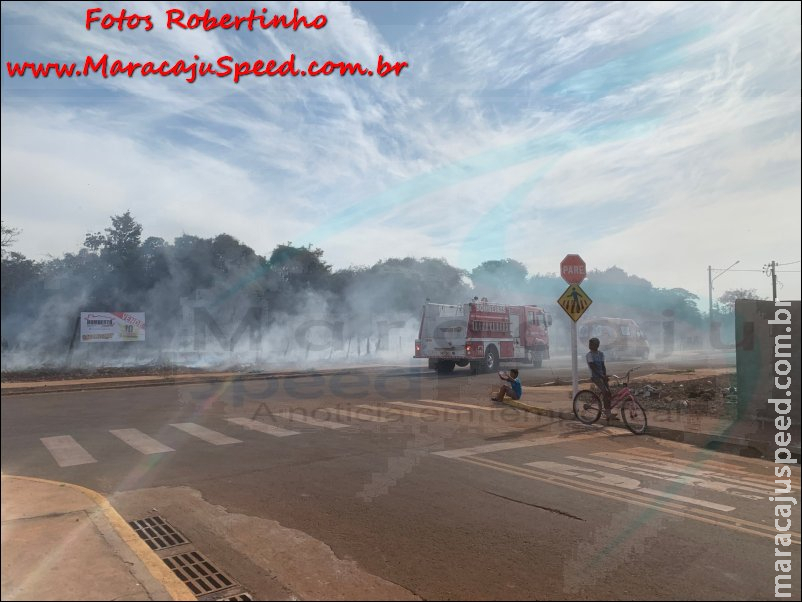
(513, 389)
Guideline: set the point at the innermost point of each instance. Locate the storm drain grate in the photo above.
(223, 597)
(197, 573)
(158, 533)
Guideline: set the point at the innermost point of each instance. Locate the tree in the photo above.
(154, 258)
(17, 273)
(120, 249)
(497, 277)
(727, 300)
(9, 237)
(229, 255)
(299, 266)
(123, 240)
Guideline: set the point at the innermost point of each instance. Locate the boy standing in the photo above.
(598, 373)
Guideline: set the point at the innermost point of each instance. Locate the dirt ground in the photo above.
(714, 395)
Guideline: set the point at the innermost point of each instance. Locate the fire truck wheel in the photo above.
(533, 357)
(445, 367)
(491, 360)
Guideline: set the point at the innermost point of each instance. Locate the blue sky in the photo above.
(661, 138)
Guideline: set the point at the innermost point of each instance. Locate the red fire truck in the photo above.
(482, 334)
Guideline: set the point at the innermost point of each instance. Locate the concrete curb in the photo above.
(19, 388)
(151, 561)
(737, 445)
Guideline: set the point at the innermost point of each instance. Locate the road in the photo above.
(296, 490)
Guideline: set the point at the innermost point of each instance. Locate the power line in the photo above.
(778, 271)
(789, 263)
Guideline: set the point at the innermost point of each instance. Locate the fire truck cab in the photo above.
(482, 334)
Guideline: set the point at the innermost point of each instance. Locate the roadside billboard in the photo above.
(112, 327)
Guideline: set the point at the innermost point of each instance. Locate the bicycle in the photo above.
(588, 405)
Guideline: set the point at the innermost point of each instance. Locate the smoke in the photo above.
(216, 304)
(243, 314)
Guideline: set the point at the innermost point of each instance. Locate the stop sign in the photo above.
(572, 269)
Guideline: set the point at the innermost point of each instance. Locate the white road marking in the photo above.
(687, 500)
(462, 405)
(685, 471)
(256, 425)
(396, 411)
(140, 441)
(614, 480)
(494, 447)
(66, 451)
(208, 435)
(358, 415)
(327, 424)
(425, 407)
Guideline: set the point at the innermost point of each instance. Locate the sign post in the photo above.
(574, 301)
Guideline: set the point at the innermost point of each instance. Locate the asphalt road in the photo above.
(457, 500)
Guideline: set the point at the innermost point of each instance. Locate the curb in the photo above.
(735, 445)
(161, 381)
(155, 566)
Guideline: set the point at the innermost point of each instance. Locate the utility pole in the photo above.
(710, 280)
(773, 281)
(710, 297)
(770, 269)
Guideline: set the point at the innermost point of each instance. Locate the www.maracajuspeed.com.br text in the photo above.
(224, 66)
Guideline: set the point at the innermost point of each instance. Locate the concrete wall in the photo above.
(756, 357)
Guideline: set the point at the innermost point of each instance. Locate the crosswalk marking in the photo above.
(396, 411)
(420, 405)
(66, 451)
(707, 464)
(699, 479)
(140, 441)
(613, 480)
(256, 425)
(494, 447)
(326, 424)
(355, 415)
(461, 405)
(205, 434)
(685, 470)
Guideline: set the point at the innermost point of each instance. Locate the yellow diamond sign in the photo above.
(574, 301)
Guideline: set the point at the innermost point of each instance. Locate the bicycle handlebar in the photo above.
(626, 376)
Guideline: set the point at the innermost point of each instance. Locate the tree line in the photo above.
(119, 270)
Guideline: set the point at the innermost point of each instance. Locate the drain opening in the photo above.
(158, 533)
(197, 573)
(244, 596)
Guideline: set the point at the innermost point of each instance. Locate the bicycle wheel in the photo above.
(587, 407)
(634, 416)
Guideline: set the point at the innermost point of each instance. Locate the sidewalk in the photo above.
(740, 436)
(65, 542)
(122, 382)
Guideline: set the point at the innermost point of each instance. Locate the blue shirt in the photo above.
(595, 361)
(516, 386)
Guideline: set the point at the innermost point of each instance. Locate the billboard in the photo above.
(112, 327)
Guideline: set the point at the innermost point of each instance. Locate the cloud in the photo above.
(526, 130)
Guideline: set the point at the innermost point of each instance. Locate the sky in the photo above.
(661, 138)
